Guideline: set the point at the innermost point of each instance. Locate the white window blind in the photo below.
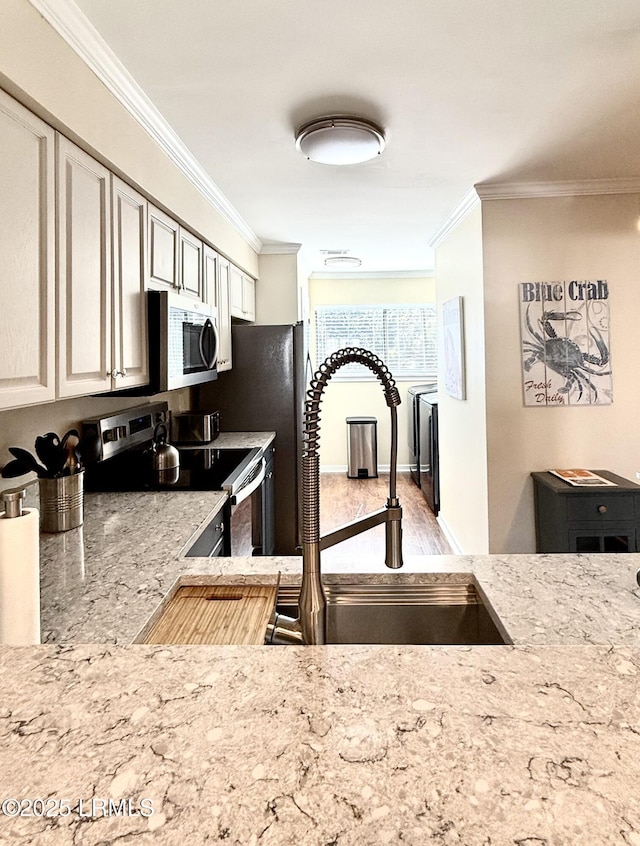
(403, 336)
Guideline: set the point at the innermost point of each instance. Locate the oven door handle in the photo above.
(209, 326)
(246, 492)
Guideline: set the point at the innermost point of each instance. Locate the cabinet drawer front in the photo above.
(618, 507)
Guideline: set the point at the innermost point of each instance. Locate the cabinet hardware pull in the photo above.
(602, 509)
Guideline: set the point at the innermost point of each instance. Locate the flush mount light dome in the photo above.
(342, 261)
(340, 140)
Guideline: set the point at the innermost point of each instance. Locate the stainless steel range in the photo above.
(121, 453)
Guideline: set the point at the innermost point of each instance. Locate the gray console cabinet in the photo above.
(586, 519)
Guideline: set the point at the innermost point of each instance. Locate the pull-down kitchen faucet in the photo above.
(310, 626)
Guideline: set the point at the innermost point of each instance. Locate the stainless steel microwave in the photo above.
(183, 341)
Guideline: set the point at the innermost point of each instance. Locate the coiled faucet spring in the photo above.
(311, 622)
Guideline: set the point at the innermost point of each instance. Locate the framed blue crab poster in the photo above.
(566, 357)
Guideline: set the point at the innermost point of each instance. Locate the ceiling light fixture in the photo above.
(340, 140)
(342, 261)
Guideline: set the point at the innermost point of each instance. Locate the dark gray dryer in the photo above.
(413, 427)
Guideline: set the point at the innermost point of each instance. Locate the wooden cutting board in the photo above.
(216, 614)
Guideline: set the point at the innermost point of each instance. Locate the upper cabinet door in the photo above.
(224, 316)
(243, 294)
(84, 273)
(164, 250)
(130, 351)
(210, 275)
(235, 291)
(248, 298)
(27, 271)
(191, 264)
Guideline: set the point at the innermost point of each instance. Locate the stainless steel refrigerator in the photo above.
(265, 391)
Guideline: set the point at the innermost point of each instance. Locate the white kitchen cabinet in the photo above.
(191, 281)
(223, 304)
(164, 250)
(235, 291)
(130, 355)
(84, 313)
(242, 293)
(175, 256)
(27, 258)
(249, 297)
(210, 275)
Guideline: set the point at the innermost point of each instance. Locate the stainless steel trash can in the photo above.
(362, 447)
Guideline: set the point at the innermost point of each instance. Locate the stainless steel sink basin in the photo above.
(438, 614)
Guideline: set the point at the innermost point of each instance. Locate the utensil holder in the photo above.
(61, 503)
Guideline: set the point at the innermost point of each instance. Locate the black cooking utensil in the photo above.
(28, 461)
(53, 451)
(49, 451)
(15, 468)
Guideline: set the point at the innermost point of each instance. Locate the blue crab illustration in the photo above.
(563, 355)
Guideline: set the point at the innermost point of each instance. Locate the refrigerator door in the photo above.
(265, 392)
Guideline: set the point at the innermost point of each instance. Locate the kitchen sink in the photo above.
(436, 614)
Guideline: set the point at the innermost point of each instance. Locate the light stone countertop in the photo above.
(536, 744)
(242, 440)
(99, 583)
(350, 746)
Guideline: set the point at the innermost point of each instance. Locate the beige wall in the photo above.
(462, 429)
(40, 69)
(277, 290)
(587, 237)
(350, 399)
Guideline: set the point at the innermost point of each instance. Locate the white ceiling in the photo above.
(467, 91)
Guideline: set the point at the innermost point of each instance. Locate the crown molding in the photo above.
(69, 22)
(373, 274)
(464, 207)
(280, 249)
(526, 190)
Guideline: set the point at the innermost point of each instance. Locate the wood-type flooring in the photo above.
(342, 500)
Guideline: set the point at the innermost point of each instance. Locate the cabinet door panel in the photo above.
(210, 276)
(164, 243)
(248, 298)
(84, 273)
(130, 277)
(191, 264)
(611, 539)
(224, 316)
(235, 291)
(27, 270)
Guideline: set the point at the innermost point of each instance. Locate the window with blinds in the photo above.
(403, 336)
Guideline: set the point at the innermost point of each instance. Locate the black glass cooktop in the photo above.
(201, 469)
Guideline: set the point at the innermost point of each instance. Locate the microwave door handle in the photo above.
(208, 326)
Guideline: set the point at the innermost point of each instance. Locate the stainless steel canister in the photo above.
(61, 503)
